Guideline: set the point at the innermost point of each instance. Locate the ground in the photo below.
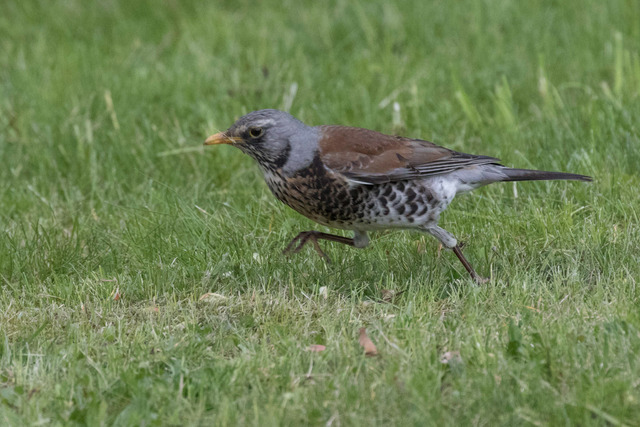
(142, 275)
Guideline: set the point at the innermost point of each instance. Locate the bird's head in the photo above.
(265, 135)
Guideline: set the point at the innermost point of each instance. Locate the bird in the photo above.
(361, 180)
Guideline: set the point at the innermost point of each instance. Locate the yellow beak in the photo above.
(220, 138)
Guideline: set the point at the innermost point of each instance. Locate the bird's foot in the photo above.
(301, 240)
(480, 280)
(313, 236)
(475, 276)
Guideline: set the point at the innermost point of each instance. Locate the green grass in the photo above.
(105, 188)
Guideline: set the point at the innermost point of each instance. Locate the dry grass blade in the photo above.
(316, 348)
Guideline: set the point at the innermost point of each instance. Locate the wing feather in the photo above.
(369, 157)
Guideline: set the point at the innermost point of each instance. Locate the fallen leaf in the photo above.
(316, 348)
(116, 295)
(451, 357)
(388, 295)
(366, 343)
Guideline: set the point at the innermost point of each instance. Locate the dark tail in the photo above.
(534, 175)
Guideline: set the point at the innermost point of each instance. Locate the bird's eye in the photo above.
(255, 132)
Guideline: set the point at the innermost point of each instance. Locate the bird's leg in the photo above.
(449, 241)
(477, 278)
(313, 236)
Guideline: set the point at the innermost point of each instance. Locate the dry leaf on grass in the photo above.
(316, 348)
(117, 295)
(366, 343)
(388, 295)
(451, 357)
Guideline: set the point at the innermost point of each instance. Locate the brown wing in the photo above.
(373, 158)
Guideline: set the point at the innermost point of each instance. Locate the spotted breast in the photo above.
(332, 200)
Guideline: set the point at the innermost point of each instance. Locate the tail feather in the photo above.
(534, 175)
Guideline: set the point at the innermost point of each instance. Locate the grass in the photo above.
(105, 190)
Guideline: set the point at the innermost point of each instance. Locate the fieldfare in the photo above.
(361, 180)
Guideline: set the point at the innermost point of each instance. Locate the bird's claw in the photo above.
(480, 280)
(301, 240)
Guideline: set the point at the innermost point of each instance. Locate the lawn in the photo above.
(141, 274)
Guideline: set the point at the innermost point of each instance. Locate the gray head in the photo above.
(274, 138)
